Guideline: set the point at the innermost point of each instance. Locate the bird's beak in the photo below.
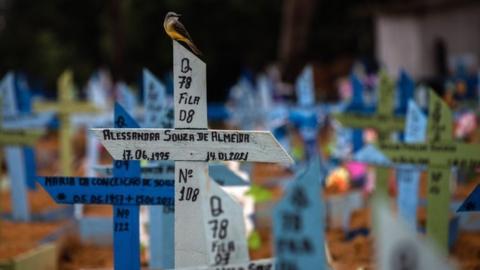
(179, 15)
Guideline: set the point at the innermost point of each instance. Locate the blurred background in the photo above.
(437, 42)
(42, 38)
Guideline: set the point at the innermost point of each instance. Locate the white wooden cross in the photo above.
(191, 144)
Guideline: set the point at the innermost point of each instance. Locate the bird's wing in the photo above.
(179, 28)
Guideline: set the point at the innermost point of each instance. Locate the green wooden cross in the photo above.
(66, 107)
(439, 154)
(383, 121)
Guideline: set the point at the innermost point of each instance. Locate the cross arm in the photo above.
(192, 145)
(114, 190)
(444, 154)
(376, 121)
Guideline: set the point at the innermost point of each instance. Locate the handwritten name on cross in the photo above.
(65, 107)
(126, 191)
(191, 144)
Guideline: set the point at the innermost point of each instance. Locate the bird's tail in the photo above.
(193, 47)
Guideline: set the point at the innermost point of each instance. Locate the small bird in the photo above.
(175, 29)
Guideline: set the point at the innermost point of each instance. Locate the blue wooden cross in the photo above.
(299, 222)
(16, 115)
(126, 191)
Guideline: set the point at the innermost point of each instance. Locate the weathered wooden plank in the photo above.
(115, 190)
(195, 145)
(190, 237)
(225, 231)
(190, 89)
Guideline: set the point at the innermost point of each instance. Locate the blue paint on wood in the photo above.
(472, 202)
(370, 154)
(224, 176)
(305, 116)
(305, 88)
(96, 230)
(30, 167)
(14, 155)
(307, 121)
(406, 87)
(299, 223)
(162, 237)
(126, 191)
(121, 190)
(408, 178)
(162, 219)
(18, 185)
(24, 106)
(357, 104)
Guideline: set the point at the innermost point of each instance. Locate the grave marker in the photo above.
(18, 188)
(126, 191)
(161, 218)
(384, 121)
(161, 238)
(299, 222)
(191, 145)
(305, 115)
(12, 138)
(22, 117)
(408, 179)
(438, 155)
(65, 107)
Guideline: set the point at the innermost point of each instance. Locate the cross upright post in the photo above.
(191, 145)
(11, 139)
(384, 121)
